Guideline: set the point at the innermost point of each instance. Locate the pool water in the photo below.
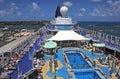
(77, 61)
(86, 75)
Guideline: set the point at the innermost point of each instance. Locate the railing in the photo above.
(100, 71)
(114, 40)
(107, 38)
(28, 73)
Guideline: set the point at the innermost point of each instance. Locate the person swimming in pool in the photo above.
(74, 60)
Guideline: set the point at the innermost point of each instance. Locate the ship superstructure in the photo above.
(57, 51)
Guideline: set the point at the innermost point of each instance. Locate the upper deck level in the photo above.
(62, 21)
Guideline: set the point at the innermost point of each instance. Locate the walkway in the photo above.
(92, 56)
(61, 71)
(12, 45)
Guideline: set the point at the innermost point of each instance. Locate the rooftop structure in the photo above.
(62, 20)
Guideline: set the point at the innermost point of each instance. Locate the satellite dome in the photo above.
(63, 10)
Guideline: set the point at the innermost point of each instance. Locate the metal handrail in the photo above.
(115, 40)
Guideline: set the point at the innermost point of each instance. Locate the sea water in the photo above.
(24, 27)
(111, 28)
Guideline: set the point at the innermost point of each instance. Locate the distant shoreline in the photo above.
(23, 23)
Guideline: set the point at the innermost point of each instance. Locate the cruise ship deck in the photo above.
(71, 63)
(58, 54)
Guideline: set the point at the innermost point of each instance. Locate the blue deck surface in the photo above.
(92, 56)
(60, 72)
(105, 70)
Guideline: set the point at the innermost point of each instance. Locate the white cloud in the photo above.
(109, 1)
(83, 9)
(98, 12)
(96, 0)
(82, 12)
(116, 3)
(3, 12)
(68, 4)
(12, 10)
(113, 9)
(116, 7)
(12, 4)
(35, 7)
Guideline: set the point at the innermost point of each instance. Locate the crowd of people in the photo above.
(17, 56)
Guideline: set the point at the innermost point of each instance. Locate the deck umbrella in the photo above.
(98, 45)
(50, 45)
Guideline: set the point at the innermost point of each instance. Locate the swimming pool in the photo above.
(80, 67)
(77, 61)
(86, 75)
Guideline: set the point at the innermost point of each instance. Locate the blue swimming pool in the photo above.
(86, 75)
(77, 61)
(81, 68)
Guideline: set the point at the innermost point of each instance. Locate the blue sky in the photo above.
(79, 10)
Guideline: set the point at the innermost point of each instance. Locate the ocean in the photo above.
(24, 27)
(112, 28)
